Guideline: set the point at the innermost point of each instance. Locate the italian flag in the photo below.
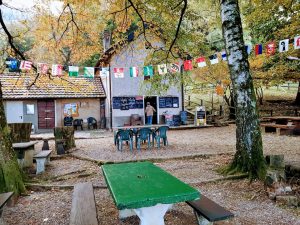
(73, 71)
(134, 71)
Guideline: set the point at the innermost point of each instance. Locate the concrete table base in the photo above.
(153, 215)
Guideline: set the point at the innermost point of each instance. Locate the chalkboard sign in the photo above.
(168, 102)
(116, 102)
(175, 102)
(200, 114)
(124, 103)
(131, 102)
(162, 102)
(139, 104)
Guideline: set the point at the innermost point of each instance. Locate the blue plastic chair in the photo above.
(161, 133)
(124, 135)
(143, 134)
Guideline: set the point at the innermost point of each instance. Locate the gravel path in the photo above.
(212, 146)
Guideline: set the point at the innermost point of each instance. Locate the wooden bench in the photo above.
(83, 211)
(42, 158)
(280, 129)
(207, 211)
(25, 152)
(4, 197)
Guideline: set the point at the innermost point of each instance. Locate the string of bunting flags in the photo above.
(89, 72)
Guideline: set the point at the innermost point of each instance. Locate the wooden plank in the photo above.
(278, 126)
(43, 154)
(83, 211)
(4, 197)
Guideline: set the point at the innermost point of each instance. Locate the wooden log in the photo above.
(20, 132)
(66, 134)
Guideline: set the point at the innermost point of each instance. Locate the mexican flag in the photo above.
(73, 71)
(89, 72)
(134, 71)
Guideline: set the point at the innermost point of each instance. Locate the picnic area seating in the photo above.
(124, 135)
(78, 123)
(143, 134)
(207, 210)
(161, 133)
(42, 158)
(25, 151)
(83, 211)
(92, 122)
(4, 198)
(68, 121)
(280, 129)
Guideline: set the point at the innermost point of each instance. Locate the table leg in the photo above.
(153, 215)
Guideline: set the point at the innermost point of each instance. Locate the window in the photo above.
(30, 109)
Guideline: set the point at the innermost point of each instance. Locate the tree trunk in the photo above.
(67, 135)
(10, 173)
(249, 151)
(20, 132)
(297, 100)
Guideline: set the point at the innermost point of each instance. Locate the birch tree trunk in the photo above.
(249, 151)
(10, 174)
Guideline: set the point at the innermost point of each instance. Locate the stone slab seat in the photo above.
(4, 197)
(83, 211)
(25, 153)
(42, 158)
(207, 210)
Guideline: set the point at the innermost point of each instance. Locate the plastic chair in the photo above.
(68, 121)
(143, 135)
(92, 122)
(161, 133)
(78, 123)
(123, 135)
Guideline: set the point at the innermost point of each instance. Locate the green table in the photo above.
(146, 190)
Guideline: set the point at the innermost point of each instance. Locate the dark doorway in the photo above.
(153, 102)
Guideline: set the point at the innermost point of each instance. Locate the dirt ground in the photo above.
(192, 156)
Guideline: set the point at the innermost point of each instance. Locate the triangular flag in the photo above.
(57, 70)
(73, 71)
(134, 71)
(42, 68)
(213, 59)
(270, 48)
(188, 65)
(148, 71)
(104, 72)
(25, 65)
(162, 69)
(201, 62)
(224, 56)
(13, 65)
(119, 72)
(297, 42)
(284, 45)
(89, 72)
(174, 68)
(258, 49)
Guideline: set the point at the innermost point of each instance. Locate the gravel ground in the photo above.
(212, 147)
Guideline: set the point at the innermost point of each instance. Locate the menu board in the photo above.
(126, 103)
(168, 102)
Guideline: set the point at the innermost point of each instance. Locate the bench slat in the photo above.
(42, 154)
(278, 126)
(4, 197)
(83, 210)
(209, 209)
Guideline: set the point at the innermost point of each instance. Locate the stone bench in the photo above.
(25, 151)
(4, 198)
(42, 158)
(83, 209)
(280, 129)
(207, 211)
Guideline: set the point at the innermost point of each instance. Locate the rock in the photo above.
(288, 189)
(287, 200)
(272, 195)
(279, 191)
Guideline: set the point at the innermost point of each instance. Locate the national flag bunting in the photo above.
(25, 65)
(13, 65)
(57, 70)
(213, 59)
(201, 62)
(270, 48)
(119, 72)
(187, 65)
(104, 72)
(174, 68)
(248, 49)
(224, 56)
(89, 72)
(258, 49)
(297, 42)
(284, 45)
(73, 71)
(134, 71)
(162, 69)
(148, 71)
(42, 68)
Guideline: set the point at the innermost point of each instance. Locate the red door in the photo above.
(46, 114)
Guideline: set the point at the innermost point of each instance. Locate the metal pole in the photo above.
(182, 89)
(110, 97)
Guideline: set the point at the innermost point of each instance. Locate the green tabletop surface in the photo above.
(142, 184)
